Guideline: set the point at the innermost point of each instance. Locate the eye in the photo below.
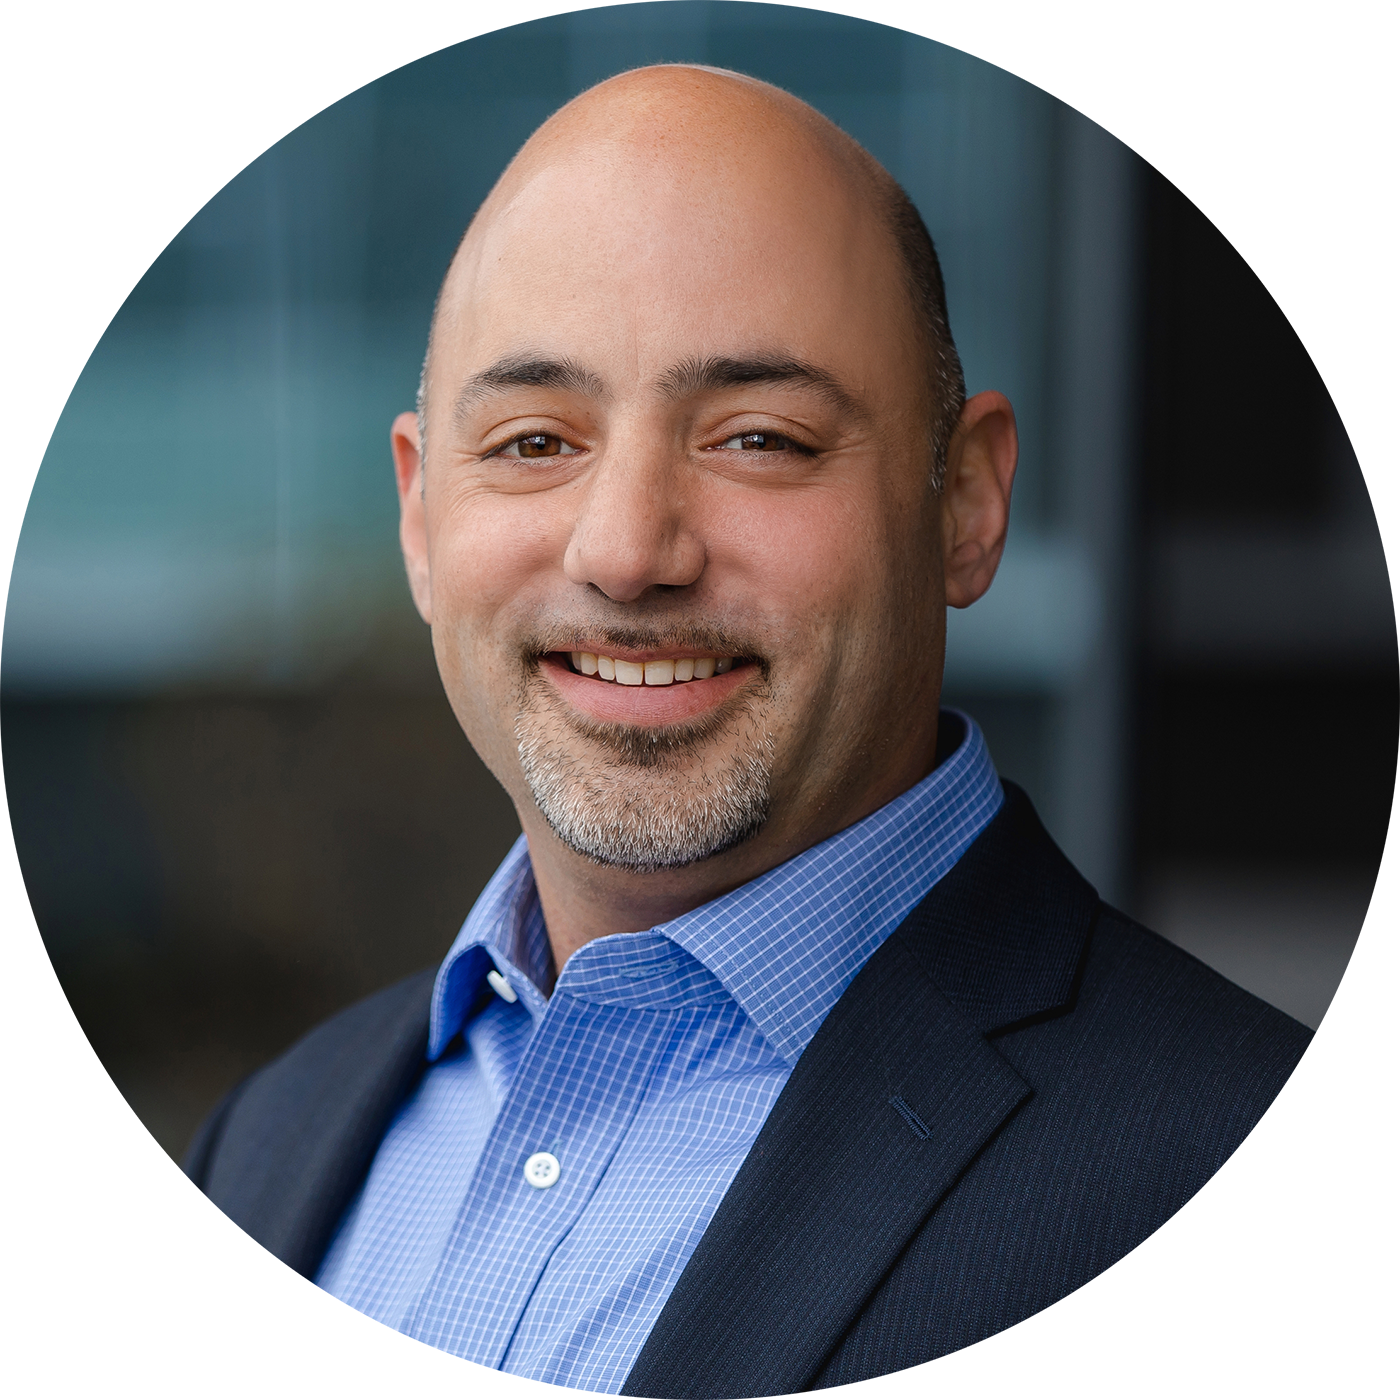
(536, 445)
(763, 442)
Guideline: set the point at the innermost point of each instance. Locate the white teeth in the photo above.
(687, 668)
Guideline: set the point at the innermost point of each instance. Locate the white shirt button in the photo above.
(500, 986)
(542, 1170)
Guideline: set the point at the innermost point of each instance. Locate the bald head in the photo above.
(737, 155)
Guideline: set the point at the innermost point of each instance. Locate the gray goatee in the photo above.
(637, 798)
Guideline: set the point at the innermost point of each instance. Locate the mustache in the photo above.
(700, 636)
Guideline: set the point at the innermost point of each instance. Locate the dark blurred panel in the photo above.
(1267, 685)
(1267, 289)
(1283, 768)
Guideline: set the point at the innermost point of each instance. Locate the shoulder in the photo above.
(277, 1166)
(328, 1059)
(1021, 943)
(1175, 1050)
(1134, 967)
(1144, 1070)
(1141, 1089)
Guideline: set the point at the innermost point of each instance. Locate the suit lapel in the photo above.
(285, 1154)
(896, 1094)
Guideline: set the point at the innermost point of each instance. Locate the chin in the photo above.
(647, 800)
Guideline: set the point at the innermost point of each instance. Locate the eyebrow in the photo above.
(722, 372)
(527, 372)
(693, 376)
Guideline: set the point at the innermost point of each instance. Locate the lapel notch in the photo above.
(1004, 934)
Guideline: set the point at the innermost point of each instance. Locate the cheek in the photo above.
(485, 551)
(818, 559)
(487, 556)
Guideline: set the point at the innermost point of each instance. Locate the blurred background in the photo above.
(238, 795)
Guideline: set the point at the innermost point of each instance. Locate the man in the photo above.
(785, 1049)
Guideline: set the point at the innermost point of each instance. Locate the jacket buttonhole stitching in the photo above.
(921, 1129)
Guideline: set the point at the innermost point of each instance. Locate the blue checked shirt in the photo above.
(647, 1075)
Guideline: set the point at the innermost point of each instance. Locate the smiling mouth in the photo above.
(672, 671)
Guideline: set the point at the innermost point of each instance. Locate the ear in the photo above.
(977, 496)
(413, 523)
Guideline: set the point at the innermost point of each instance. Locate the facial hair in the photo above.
(646, 799)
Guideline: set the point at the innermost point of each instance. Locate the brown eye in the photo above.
(537, 445)
(760, 442)
(540, 445)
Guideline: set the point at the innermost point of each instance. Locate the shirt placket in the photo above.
(576, 1092)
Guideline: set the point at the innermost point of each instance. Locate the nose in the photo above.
(635, 528)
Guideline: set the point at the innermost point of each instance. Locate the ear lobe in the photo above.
(413, 523)
(977, 496)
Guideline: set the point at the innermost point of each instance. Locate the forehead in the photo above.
(631, 259)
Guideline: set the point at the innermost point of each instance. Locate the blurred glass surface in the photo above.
(1264, 687)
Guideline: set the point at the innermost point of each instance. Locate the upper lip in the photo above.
(639, 655)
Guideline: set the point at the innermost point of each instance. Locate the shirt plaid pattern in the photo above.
(648, 1074)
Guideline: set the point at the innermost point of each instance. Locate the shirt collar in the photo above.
(498, 932)
(784, 946)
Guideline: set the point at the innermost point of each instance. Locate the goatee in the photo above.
(646, 799)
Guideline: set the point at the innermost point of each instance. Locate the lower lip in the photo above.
(648, 705)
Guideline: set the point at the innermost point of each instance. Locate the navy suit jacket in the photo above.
(1019, 1087)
